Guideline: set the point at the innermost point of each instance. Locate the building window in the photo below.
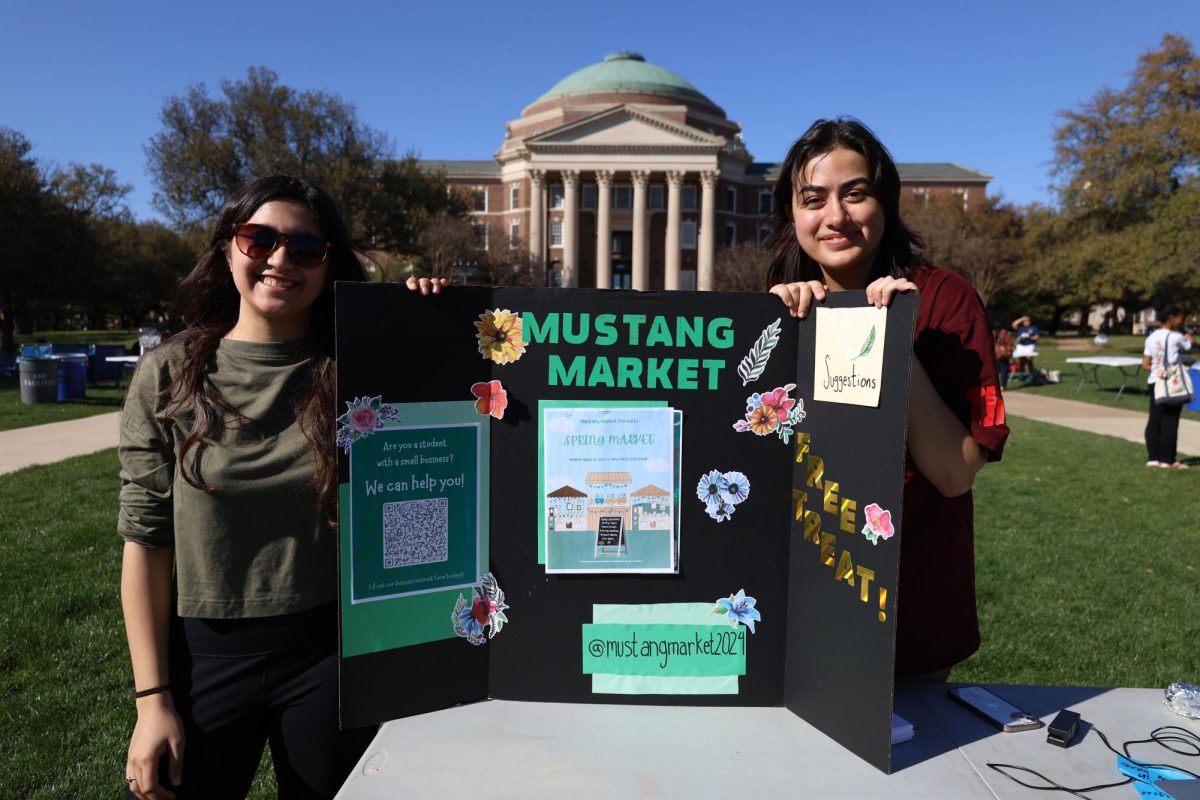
(481, 236)
(764, 202)
(689, 198)
(730, 234)
(622, 197)
(656, 198)
(589, 195)
(921, 196)
(556, 233)
(960, 193)
(556, 196)
(480, 198)
(514, 196)
(687, 236)
(514, 235)
(555, 276)
(731, 198)
(763, 232)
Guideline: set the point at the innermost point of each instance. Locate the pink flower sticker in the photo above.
(363, 419)
(364, 416)
(879, 524)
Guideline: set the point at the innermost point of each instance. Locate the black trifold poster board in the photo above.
(488, 437)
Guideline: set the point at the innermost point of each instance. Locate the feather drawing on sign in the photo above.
(752, 366)
(867, 345)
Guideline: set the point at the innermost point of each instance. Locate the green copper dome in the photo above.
(624, 72)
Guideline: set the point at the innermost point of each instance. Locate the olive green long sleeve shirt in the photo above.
(256, 546)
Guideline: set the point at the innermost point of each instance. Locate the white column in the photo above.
(537, 216)
(641, 276)
(570, 240)
(708, 233)
(674, 225)
(603, 230)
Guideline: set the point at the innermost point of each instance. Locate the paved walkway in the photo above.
(45, 444)
(1095, 418)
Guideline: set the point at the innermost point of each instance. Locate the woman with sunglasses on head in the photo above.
(837, 227)
(228, 487)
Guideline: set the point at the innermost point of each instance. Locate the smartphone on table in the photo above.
(996, 710)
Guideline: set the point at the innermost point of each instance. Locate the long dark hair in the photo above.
(901, 249)
(209, 302)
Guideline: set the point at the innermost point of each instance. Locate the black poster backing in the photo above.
(841, 629)
(819, 649)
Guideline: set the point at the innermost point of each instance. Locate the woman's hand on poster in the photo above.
(425, 285)
(881, 290)
(158, 731)
(799, 296)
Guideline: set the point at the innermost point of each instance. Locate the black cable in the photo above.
(1177, 740)
(1053, 787)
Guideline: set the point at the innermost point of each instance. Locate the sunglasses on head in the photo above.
(260, 241)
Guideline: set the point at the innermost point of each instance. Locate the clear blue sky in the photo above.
(977, 83)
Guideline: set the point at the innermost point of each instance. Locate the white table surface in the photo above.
(1107, 361)
(503, 749)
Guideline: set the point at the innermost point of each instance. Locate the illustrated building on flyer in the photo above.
(624, 175)
(608, 495)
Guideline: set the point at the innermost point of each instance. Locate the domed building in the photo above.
(625, 175)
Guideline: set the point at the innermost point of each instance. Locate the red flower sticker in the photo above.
(491, 398)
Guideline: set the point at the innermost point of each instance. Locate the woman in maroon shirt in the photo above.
(837, 227)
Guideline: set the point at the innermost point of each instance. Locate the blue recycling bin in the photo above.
(73, 376)
(102, 369)
(1195, 404)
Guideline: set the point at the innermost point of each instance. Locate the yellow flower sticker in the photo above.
(500, 336)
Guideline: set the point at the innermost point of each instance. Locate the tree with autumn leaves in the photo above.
(1127, 171)
(1126, 227)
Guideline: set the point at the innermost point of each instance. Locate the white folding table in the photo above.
(1089, 366)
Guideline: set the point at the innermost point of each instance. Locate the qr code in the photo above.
(415, 532)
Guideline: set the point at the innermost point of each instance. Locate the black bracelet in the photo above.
(166, 687)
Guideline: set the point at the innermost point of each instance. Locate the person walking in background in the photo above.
(1026, 347)
(1004, 352)
(1164, 348)
(837, 227)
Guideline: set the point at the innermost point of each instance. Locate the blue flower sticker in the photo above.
(721, 511)
(721, 492)
(737, 488)
(738, 608)
(711, 488)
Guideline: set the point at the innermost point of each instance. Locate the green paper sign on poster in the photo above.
(417, 523)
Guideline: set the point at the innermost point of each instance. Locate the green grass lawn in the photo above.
(1053, 354)
(101, 399)
(1087, 567)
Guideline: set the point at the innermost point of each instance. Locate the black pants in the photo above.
(239, 684)
(1162, 431)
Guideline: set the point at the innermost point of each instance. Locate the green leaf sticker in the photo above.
(867, 345)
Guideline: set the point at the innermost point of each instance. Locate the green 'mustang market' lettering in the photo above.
(603, 329)
(637, 330)
(636, 373)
